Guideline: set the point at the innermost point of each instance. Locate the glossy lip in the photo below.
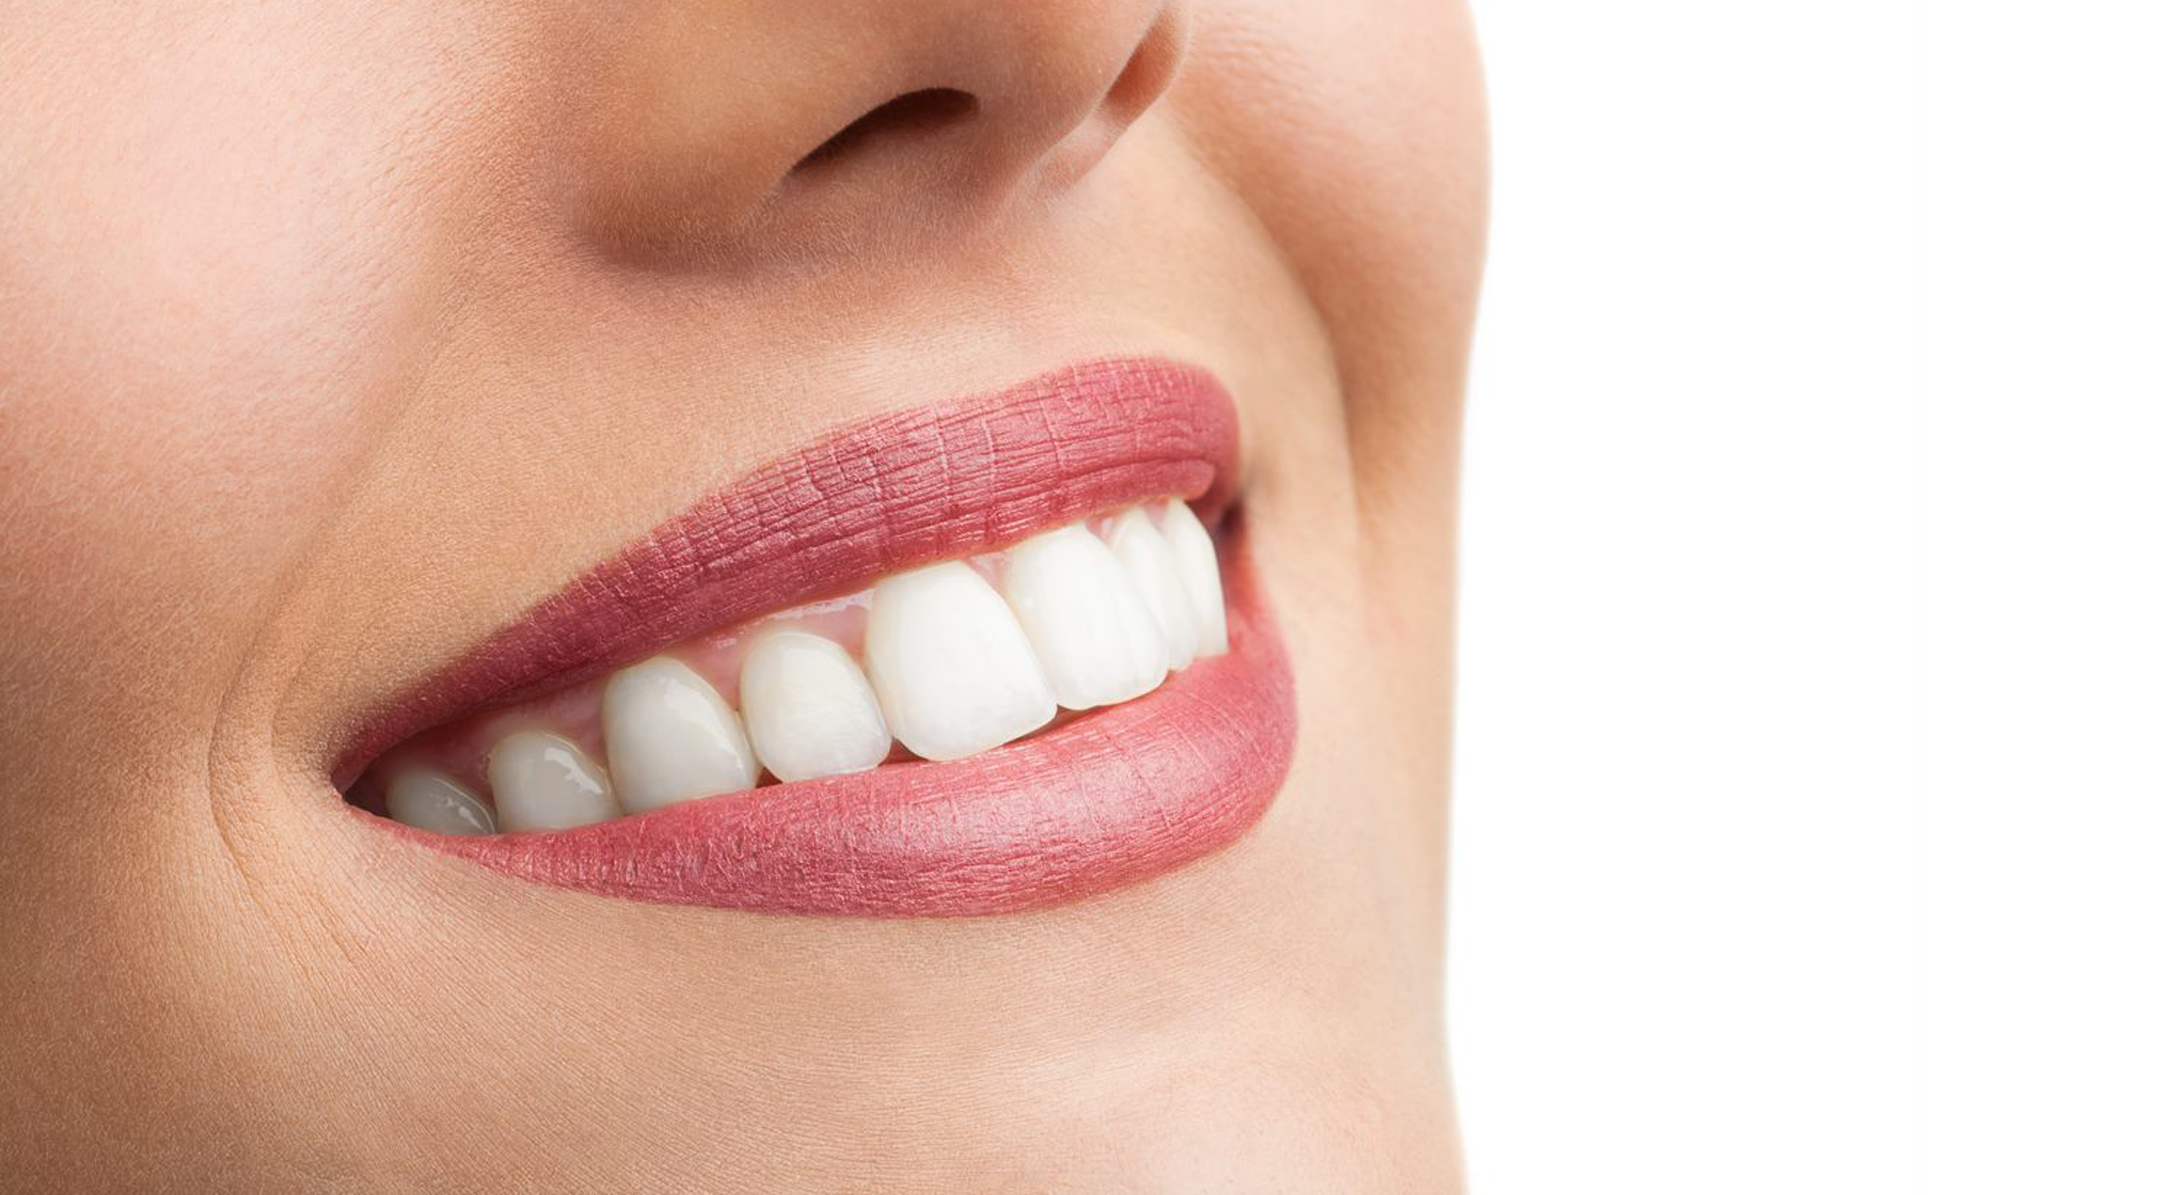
(1117, 796)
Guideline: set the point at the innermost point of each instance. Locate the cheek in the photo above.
(210, 275)
(1358, 131)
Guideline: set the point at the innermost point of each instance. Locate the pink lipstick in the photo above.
(1111, 797)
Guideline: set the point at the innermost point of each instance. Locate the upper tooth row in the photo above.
(954, 667)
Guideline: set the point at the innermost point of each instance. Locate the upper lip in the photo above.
(1114, 797)
(892, 492)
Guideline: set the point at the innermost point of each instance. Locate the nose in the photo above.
(704, 130)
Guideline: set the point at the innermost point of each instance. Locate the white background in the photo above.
(1809, 815)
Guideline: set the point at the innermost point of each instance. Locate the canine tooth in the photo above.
(671, 737)
(544, 782)
(429, 800)
(1141, 548)
(809, 708)
(1196, 555)
(951, 667)
(1097, 641)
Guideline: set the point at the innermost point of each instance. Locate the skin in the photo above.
(334, 336)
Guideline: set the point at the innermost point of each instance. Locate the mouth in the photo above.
(979, 657)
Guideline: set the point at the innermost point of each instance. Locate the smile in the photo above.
(972, 658)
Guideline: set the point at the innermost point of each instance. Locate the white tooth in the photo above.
(544, 782)
(952, 668)
(810, 711)
(1085, 618)
(671, 738)
(1148, 559)
(1196, 555)
(429, 800)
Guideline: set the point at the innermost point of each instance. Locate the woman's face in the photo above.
(368, 370)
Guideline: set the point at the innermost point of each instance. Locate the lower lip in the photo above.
(1104, 801)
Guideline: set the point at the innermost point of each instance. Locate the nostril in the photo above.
(912, 114)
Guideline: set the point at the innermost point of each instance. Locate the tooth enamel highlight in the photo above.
(952, 669)
(1142, 551)
(1196, 556)
(544, 782)
(1096, 639)
(429, 800)
(671, 738)
(809, 708)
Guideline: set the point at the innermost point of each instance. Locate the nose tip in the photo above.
(790, 128)
(1065, 80)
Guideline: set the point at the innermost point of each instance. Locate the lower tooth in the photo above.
(430, 800)
(544, 782)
